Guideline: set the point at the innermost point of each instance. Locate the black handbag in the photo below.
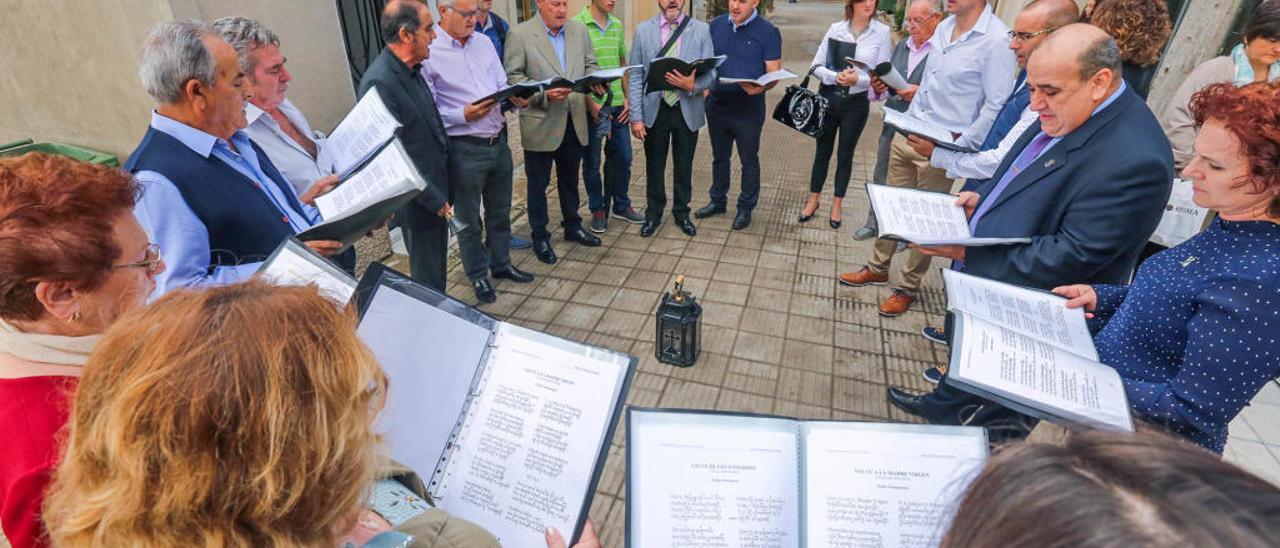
(802, 109)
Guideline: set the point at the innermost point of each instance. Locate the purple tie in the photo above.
(1028, 155)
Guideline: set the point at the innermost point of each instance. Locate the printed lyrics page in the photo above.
(387, 175)
(713, 481)
(1035, 313)
(528, 450)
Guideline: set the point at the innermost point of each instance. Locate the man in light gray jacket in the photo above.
(671, 117)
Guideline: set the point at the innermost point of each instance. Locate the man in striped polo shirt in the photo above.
(609, 124)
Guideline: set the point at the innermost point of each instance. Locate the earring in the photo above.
(75, 317)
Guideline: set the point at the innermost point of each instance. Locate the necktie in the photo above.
(1028, 155)
(670, 97)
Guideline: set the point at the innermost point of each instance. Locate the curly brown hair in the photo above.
(1252, 114)
(1141, 28)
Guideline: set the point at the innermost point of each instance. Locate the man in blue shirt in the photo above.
(211, 199)
(735, 112)
(489, 24)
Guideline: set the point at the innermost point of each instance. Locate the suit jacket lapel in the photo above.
(549, 52)
(413, 85)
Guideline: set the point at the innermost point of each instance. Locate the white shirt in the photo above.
(983, 164)
(293, 161)
(968, 80)
(875, 46)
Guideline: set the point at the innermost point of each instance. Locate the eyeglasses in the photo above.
(1024, 36)
(150, 261)
(464, 14)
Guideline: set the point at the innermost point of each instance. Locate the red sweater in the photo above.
(33, 411)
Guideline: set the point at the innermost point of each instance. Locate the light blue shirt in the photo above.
(557, 42)
(170, 222)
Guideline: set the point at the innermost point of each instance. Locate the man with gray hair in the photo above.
(1087, 184)
(211, 198)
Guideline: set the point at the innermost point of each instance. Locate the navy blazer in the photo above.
(422, 132)
(1088, 204)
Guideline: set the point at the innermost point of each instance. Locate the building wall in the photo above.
(71, 67)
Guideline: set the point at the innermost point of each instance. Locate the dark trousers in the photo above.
(727, 125)
(428, 243)
(848, 117)
(669, 131)
(480, 173)
(615, 137)
(537, 170)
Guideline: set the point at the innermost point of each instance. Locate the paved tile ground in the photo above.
(781, 336)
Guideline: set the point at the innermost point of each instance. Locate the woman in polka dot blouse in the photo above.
(1197, 333)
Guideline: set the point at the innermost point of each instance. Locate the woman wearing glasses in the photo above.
(72, 260)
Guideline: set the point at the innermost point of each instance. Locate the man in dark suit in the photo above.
(407, 27)
(1087, 183)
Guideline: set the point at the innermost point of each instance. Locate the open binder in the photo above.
(1024, 349)
(293, 263)
(925, 218)
(712, 478)
(367, 197)
(510, 426)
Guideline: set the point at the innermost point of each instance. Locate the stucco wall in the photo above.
(71, 67)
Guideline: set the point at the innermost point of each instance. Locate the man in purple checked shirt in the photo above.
(464, 67)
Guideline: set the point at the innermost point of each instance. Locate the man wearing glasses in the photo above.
(462, 68)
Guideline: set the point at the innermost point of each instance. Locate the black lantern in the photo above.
(679, 336)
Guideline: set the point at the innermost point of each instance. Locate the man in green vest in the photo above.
(609, 124)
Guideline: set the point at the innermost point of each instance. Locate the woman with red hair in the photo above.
(1194, 337)
(72, 260)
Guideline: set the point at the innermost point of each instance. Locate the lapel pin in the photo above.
(1187, 261)
(1050, 162)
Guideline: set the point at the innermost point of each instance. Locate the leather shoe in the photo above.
(687, 227)
(742, 219)
(896, 304)
(484, 290)
(909, 403)
(514, 274)
(542, 249)
(577, 234)
(648, 228)
(709, 210)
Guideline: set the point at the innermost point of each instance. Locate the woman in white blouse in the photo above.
(845, 84)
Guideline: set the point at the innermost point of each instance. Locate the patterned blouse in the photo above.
(1197, 333)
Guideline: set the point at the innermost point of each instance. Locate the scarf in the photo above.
(54, 349)
(1244, 71)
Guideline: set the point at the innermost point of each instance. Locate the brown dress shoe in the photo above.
(864, 277)
(896, 304)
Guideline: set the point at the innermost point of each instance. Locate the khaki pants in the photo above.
(911, 170)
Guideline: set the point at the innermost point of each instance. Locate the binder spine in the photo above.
(440, 477)
(802, 491)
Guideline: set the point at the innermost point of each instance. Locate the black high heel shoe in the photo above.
(805, 218)
(834, 223)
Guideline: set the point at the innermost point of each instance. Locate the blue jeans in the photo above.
(617, 162)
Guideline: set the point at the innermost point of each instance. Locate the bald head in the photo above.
(1073, 71)
(1055, 14)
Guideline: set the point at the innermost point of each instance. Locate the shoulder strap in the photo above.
(672, 39)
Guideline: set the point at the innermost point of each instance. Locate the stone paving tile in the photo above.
(732, 400)
(768, 322)
(689, 395)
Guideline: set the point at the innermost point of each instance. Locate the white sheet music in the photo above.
(910, 124)
(925, 218)
(872, 484)
(781, 74)
(294, 266)
(714, 481)
(1024, 369)
(1182, 218)
(389, 173)
(1030, 312)
(529, 442)
(366, 127)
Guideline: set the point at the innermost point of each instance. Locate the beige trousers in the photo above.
(911, 170)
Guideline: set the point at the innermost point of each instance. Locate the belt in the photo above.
(484, 141)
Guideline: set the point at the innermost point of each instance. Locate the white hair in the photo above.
(934, 5)
(245, 35)
(173, 54)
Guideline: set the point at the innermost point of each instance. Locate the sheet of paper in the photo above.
(706, 480)
(613, 73)
(1182, 218)
(877, 484)
(925, 218)
(1040, 375)
(359, 135)
(1036, 313)
(781, 74)
(909, 124)
(527, 454)
(430, 358)
(388, 174)
(293, 264)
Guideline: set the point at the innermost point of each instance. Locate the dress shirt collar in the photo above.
(443, 38)
(488, 23)
(987, 22)
(252, 113)
(197, 140)
(736, 26)
(663, 22)
(1114, 95)
(548, 29)
(926, 46)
